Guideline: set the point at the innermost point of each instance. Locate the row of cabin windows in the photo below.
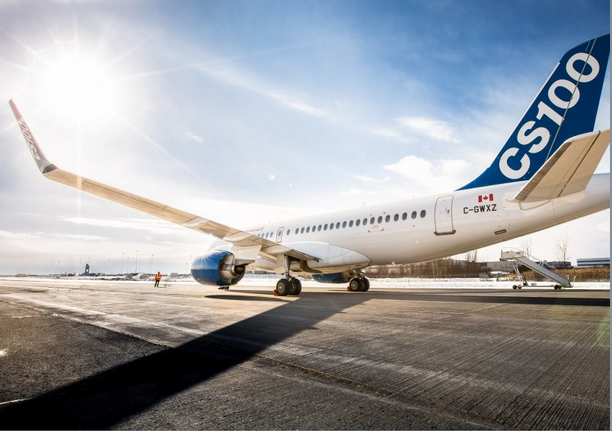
(350, 224)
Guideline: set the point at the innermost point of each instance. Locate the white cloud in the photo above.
(429, 127)
(435, 176)
(394, 134)
(412, 167)
(34, 235)
(159, 227)
(193, 137)
(364, 178)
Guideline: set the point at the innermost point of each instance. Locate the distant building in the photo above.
(556, 264)
(591, 262)
(501, 266)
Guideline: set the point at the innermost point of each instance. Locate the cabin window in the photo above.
(423, 213)
(314, 228)
(387, 218)
(302, 230)
(331, 226)
(325, 226)
(404, 216)
(319, 228)
(351, 223)
(396, 217)
(288, 231)
(343, 224)
(379, 219)
(357, 222)
(413, 215)
(338, 225)
(308, 229)
(372, 220)
(365, 221)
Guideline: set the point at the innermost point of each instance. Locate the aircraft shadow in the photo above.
(105, 399)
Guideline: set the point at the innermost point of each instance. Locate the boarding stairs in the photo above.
(522, 258)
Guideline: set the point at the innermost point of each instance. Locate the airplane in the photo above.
(543, 176)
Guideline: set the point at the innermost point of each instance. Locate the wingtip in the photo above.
(16, 112)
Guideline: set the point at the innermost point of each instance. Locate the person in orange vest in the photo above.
(157, 279)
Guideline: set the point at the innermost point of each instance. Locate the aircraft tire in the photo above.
(354, 285)
(295, 287)
(282, 287)
(364, 285)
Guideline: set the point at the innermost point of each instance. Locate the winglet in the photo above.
(44, 165)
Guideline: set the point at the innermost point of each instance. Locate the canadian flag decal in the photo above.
(485, 198)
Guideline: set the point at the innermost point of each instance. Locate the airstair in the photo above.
(519, 257)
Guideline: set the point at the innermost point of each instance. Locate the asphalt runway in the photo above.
(127, 355)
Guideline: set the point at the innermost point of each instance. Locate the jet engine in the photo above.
(217, 269)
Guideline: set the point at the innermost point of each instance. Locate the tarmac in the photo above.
(126, 355)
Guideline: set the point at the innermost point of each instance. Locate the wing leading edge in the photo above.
(234, 236)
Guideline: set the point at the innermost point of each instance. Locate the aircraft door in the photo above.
(443, 216)
(279, 234)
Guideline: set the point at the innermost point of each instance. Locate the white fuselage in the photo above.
(426, 228)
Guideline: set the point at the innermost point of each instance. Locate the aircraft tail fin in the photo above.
(565, 107)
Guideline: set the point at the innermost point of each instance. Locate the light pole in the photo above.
(122, 256)
(136, 261)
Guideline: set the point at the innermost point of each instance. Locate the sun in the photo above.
(80, 86)
(76, 80)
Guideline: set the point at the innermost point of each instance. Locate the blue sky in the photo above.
(249, 111)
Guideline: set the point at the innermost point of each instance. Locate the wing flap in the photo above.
(568, 170)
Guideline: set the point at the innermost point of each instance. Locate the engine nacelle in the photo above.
(339, 277)
(217, 269)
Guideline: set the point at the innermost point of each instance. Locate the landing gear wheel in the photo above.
(282, 287)
(354, 285)
(514, 287)
(364, 285)
(295, 286)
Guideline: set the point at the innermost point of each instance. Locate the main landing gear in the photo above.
(358, 284)
(288, 286)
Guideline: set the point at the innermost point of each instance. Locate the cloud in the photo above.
(159, 227)
(242, 80)
(412, 167)
(390, 133)
(429, 127)
(34, 235)
(432, 176)
(193, 137)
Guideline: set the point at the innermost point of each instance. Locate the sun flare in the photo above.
(76, 80)
(79, 85)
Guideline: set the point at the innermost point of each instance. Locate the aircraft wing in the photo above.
(234, 236)
(568, 170)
